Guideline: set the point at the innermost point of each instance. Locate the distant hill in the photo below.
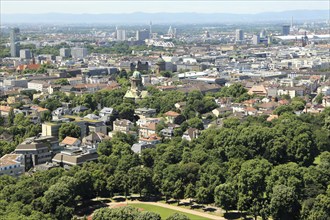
(165, 18)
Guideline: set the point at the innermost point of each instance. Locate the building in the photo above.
(38, 150)
(142, 35)
(160, 65)
(79, 53)
(37, 85)
(239, 35)
(190, 134)
(75, 156)
(171, 116)
(139, 147)
(121, 35)
(285, 30)
(12, 164)
(65, 52)
(14, 44)
(25, 54)
(137, 90)
(122, 125)
(255, 39)
(145, 112)
(71, 141)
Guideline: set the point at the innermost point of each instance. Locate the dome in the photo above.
(137, 75)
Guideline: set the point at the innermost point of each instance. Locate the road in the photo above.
(177, 208)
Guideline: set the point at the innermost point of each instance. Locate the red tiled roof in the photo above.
(69, 140)
(4, 108)
(171, 113)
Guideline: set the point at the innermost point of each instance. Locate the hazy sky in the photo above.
(95, 7)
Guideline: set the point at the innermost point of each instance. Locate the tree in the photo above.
(69, 129)
(252, 184)
(319, 98)
(321, 207)
(62, 82)
(11, 116)
(284, 203)
(225, 196)
(196, 123)
(45, 116)
(127, 213)
(146, 215)
(105, 148)
(177, 216)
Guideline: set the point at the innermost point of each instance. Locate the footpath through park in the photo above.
(205, 215)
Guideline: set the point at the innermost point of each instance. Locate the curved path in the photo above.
(202, 214)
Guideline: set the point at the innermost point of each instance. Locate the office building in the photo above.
(78, 53)
(285, 30)
(255, 39)
(142, 35)
(263, 33)
(65, 52)
(121, 35)
(239, 35)
(14, 44)
(25, 54)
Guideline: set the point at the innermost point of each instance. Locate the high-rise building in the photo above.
(142, 35)
(255, 39)
(263, 33)
(78, 52)
(239, 35)
(25, 54)
(65, 52)
(14, 44)
(121, 35)
(285, 29)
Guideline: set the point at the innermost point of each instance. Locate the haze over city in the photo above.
(164, 110)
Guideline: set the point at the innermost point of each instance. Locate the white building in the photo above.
(12, 164)
(37, 85)
(121, 35)
(78, 53)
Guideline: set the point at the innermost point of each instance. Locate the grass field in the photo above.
(164, 212)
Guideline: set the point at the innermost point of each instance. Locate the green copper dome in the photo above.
(137, 75)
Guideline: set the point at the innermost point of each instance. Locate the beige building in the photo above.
(12, 164)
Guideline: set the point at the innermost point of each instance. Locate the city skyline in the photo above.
(100, 7)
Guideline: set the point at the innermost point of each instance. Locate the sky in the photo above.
(124, 6)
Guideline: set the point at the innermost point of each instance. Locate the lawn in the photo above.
(164, 212)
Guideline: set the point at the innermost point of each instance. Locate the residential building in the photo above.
(139, 147)
(12, 164)
(147, 130)
(121, 35)
(190, 134)
(122, 125)
(239, 35)
(145, 112)
(151, 139)
(171, 116)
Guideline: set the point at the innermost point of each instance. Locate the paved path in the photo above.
(202, 214)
